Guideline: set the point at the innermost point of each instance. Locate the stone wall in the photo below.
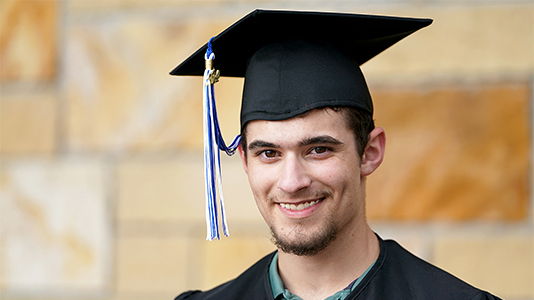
(101, 168)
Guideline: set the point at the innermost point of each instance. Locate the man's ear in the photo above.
(243, 157)
(374, 152)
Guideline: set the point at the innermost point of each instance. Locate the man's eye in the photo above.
(269, 153)
(319, 150)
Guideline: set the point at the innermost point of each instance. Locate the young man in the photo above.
(308, 144)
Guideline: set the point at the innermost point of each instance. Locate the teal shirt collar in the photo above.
(277, 286)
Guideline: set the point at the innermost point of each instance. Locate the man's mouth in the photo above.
(300, 206)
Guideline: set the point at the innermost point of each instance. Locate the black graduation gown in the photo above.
(397, 274)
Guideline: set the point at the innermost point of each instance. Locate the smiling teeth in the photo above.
(301, 206)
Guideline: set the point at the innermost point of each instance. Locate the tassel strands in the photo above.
(213, 144)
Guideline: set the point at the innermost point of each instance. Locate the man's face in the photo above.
(305, 176)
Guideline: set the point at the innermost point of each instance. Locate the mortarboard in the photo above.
(292, 62)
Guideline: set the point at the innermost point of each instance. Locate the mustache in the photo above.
(301, 196)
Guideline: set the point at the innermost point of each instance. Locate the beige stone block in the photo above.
(120, 94)
(456, 153)
(28, 37)
(501, 265)
(84, 6)
(470, 41)
(227, 258)
(54, 230)
(172, 190)
(161, 190)
(28, 124)
(138, 296)
(158, 265)
(239, 201)
(409, 236)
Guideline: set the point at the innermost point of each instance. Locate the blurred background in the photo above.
(101, 185)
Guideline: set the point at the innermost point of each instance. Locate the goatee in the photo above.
(304, 245)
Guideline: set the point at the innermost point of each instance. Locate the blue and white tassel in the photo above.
(213, 143)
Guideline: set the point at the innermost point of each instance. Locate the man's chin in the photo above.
(305, 245)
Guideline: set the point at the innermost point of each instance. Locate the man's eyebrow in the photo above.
(261, 144)
(323, 139)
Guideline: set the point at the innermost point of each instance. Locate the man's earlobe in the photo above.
(374, 151)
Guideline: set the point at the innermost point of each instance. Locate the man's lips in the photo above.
(301, 205)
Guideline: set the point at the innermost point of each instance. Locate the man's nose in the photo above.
(294, 175)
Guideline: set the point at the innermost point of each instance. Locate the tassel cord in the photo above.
(213, 144)
(209, 176)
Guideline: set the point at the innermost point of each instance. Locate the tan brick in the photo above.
(453, 154)
(173, 190)
(409, 236)
(464, 40)
(139, 296)
(54, 230)
(120, 95)
(239, 201)
(84, 6)
(168, 190)
(27, 125)
(152, 265)
(227, 258)
(504, 266)
(28, 38)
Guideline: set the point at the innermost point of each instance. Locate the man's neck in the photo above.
(331, 270)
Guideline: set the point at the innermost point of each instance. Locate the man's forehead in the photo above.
(316, 122)
(329, 112)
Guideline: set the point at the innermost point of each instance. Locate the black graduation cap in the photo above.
(292, 62)
(308, 59)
